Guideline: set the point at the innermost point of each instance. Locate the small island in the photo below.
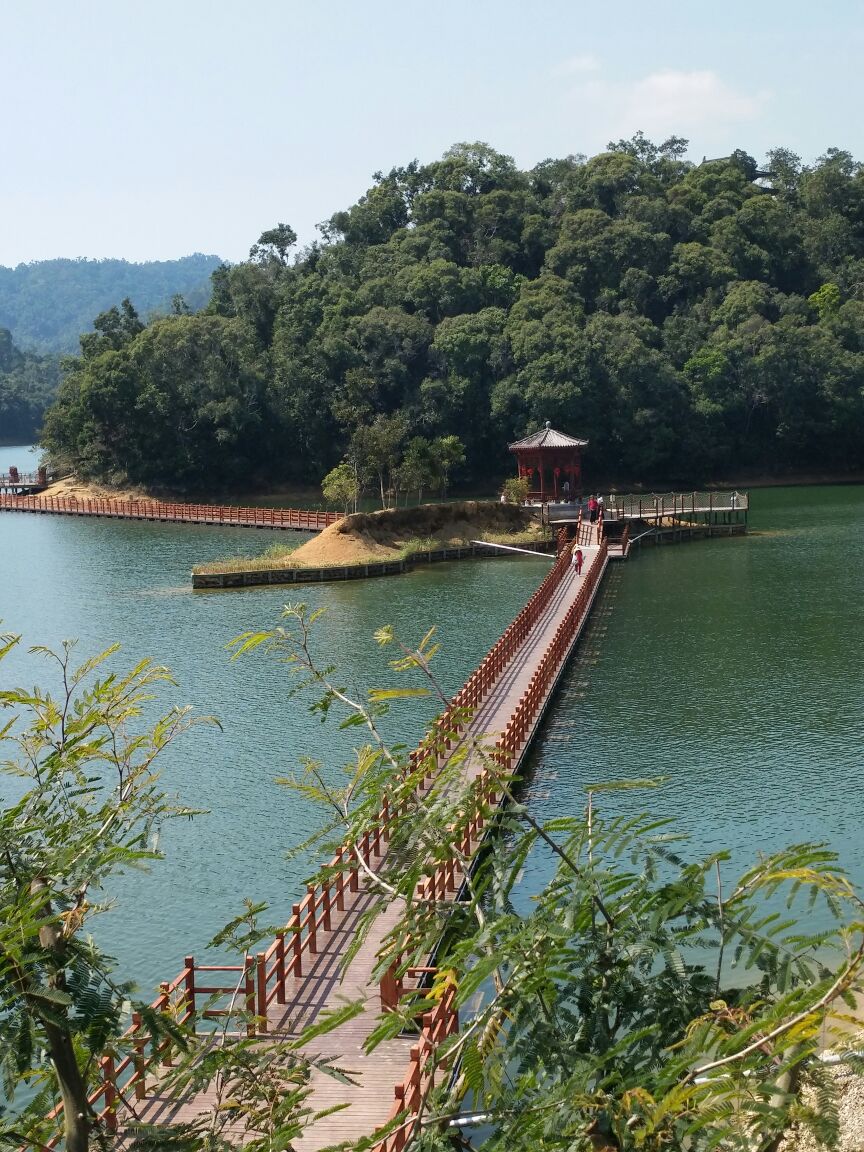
(385, 543)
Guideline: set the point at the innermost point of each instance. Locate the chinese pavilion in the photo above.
(547, 458)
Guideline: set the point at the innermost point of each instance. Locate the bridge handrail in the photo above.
(676, 503)
(21, 478)
(437, 1025)
(176, 999)
(441, 878)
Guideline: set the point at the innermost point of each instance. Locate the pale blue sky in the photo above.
(156, 128)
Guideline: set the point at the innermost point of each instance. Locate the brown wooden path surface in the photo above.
(324, 986)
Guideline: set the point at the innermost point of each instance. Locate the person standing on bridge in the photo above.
(576, 558)
(592, 510)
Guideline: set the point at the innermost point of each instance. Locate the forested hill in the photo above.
(693, 322)
(27, 386)
(47, 304)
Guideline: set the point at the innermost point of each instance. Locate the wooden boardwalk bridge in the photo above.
(216, 515)
(300, 975)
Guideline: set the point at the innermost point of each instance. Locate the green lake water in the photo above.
(105, 580)
(731, 666)
(734, 669)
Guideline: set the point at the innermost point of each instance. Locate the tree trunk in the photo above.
(73, 1090)
(76, 1109)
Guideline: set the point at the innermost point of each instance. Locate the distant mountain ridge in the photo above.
(47, 304)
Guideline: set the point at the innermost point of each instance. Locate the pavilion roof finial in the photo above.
(548, 423)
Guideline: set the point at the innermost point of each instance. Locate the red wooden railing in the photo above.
(485, 676)
(230, 515)
(127, 1077)
(445, 877)
(25, 479)
(437, 1026)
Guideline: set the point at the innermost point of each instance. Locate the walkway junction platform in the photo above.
(23, 484)
(670, 516)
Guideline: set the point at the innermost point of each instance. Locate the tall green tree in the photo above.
(82, 803)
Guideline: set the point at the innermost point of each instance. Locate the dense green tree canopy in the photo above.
(692, 322)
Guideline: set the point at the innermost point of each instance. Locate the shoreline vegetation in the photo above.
(396, 534)
(686, 320)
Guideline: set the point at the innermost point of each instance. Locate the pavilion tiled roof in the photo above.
(548, 438)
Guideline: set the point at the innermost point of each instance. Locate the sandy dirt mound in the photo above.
(70, 486)
(386, 535)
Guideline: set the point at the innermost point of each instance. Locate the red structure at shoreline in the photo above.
(548, 459)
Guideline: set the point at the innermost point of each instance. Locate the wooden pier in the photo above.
(17, 483)
(299, 976)
(216, 515)
(665, 518)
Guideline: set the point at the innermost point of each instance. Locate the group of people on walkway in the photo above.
(595, 508)
(592, 508)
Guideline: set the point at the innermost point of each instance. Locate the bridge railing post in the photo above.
(297, 944)
(189, 987)
(163, 1004)
(139, 1058)
(249, 993)
(325, 906)
(106, 1065)
(390, 988)
(261, 991)
(280, 968)
(311, 935)
(340, 881)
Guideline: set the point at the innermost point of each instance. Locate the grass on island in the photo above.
(276, 556)
(283, 555)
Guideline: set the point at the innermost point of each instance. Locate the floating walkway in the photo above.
(288, 987)
(218, 515)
